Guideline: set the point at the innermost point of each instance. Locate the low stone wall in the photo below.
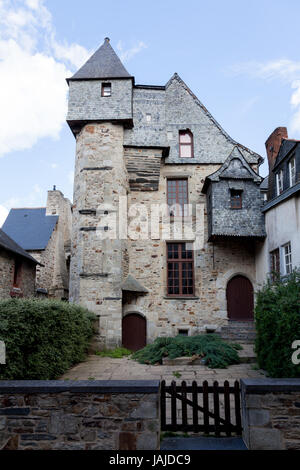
(271, 413)
(81, 415)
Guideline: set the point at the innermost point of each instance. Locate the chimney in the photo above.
(273, 144)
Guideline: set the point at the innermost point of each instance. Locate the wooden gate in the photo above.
(239, 294)
(134, 332)
(208, 409)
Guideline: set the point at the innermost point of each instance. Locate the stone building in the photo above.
(17, 269)
(155, 156)
(280, 252)
(45, 233)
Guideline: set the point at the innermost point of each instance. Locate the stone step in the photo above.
(239, 331)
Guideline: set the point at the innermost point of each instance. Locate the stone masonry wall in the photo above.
(96, 266)
(26, 278)
(215, 263)
(271, 414)
(53, 274)
(58, 415)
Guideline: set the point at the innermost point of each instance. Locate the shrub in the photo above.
(277, 315)
(43, 338)
(215, 352)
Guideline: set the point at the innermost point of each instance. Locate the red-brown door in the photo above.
(239, 295)
(134, 332)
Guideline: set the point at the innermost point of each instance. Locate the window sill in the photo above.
(170, 297)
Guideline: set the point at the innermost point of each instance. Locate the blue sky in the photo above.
(241, 58)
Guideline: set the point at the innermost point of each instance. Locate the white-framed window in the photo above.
(287, 258)
(279, 182)
(292, 171)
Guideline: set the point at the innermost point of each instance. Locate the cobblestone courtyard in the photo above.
(106, 368)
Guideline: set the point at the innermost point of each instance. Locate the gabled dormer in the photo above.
(101, 90)
(234, 200)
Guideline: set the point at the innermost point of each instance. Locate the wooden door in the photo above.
(239, 295)
(134, 332)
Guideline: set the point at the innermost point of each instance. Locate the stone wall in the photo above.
(52, 275)
(215, 263)
(63, 415)
(271, 413)
(26, 286)
(96, 266)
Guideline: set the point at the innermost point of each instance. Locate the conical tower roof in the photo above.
(104, 63)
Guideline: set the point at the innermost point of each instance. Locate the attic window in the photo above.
(186, 146)
(235, 199)
(106, 89)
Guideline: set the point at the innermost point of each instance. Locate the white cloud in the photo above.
(3, 214)
(127, 54)
(285, 70)
(75, 54)
(33, 68)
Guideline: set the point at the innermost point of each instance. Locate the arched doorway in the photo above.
(239, 294)
(134, 332)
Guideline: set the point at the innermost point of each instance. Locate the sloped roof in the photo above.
(265, 183)
(31, 228)
(287, 145)
(131, 284)
(235, 167)
(175, 76)
(104, 63)
(10, 245)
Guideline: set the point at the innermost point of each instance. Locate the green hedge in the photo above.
(277, 316)
(215, 352)
(43, 338)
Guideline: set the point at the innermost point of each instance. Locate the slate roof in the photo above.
(287, 145)
(175, 76)
(235, 167)
(31, 228)
(104, 63)
(131, 284)
(10, 245)
(265, 184)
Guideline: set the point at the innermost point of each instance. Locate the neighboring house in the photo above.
(280, 252)
(17, 269)
(45, 233)
(158, 145)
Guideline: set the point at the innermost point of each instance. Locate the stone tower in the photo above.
(100, 107)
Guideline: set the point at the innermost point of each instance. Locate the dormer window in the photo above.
(292, 171)
(279, 182)
(235, 199)
(106, 89)
(186, 147)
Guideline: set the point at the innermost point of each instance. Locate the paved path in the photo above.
(203, 443)
(106, 368)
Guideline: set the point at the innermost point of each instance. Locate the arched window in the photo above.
(186, 147)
